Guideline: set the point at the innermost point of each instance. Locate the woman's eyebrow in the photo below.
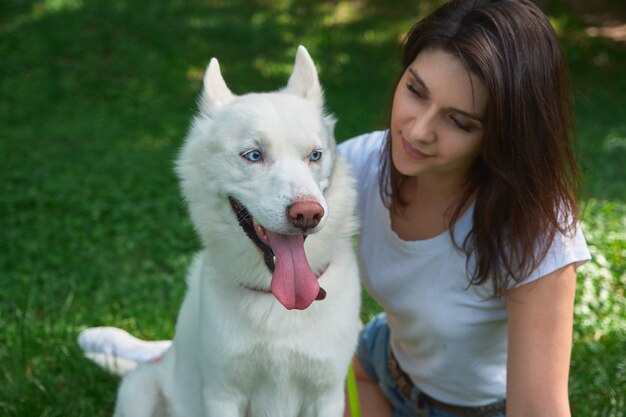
(421, 82)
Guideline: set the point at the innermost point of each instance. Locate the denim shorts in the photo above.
(373, 352)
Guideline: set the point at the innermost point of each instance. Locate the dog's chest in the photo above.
(280, 380)
(274, 367)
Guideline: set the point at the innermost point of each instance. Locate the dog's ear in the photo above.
(303, 80)
(215, 93)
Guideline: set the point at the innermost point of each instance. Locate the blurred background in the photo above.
(95, 99)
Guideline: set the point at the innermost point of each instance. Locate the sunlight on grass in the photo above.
(342, 13)
(55, 6)
(268, 68)
(376, 36)
(600, 306)
(279, 17)
(558, 23)
(41, 10)
(615, 140)
(203, 22)
(195, 73)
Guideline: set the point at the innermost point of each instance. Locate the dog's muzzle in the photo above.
(294, 283)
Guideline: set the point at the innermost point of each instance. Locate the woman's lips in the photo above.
(412, 152)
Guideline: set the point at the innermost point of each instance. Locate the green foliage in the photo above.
(598, 374)
(95, 98)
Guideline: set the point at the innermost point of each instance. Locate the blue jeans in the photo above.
(373, 353)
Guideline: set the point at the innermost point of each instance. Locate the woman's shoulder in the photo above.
(565, 249)
(363, 152)
(363, 142)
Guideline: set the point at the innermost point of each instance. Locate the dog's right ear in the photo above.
(215, 93)
(304, 81)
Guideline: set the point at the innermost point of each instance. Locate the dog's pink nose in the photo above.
(305, 214)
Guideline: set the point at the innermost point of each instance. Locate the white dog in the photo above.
(269, 322)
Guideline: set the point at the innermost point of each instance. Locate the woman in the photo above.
(469, 237)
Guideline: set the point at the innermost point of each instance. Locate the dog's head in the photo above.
(254, 171)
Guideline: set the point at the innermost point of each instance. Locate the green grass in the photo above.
(95, 98)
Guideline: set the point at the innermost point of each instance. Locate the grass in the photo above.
(95, 98)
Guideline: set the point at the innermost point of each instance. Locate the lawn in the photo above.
(95, 98)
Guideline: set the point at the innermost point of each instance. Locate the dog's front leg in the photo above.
(222, 409)
(329, 405)
(223, 405)
(139, 394)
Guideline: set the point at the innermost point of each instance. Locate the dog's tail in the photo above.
(118, 352)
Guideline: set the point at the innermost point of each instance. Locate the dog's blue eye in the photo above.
(253, 155)
(315, 156)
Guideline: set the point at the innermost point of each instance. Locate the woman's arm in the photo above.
(540, 341)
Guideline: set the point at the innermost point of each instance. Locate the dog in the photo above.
(270, 319)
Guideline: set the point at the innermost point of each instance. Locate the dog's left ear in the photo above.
(303, 80)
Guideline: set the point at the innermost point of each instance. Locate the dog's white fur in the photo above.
(239, 352)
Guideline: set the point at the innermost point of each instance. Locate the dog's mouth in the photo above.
(293, 282)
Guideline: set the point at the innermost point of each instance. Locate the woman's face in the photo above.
(437, 118)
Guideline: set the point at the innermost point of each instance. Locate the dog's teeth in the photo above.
(261, 233)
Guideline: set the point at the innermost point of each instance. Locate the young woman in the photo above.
(469, 237)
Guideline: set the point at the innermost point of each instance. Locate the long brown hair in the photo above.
(525, 179)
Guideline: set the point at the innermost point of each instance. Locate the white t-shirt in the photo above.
(449, 337)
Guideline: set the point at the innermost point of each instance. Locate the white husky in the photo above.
(269, 322)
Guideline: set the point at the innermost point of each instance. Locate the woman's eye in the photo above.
(253, 155)
(315, 156)
(414, 90)
(461, 125)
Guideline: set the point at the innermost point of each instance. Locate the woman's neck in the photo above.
(429, 211)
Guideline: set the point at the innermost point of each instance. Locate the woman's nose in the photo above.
(422, 128)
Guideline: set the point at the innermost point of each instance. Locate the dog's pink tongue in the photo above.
(293, 283)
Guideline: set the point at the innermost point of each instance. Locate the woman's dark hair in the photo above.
(525, 179)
